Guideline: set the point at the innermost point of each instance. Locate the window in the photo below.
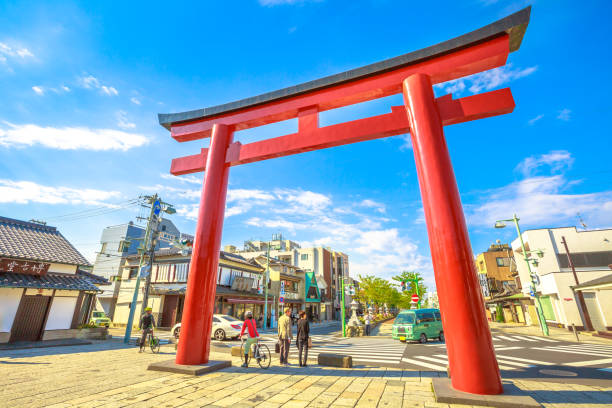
(123, 246)
(404, 318)
(133, 272)
(437, 315)
(503, 261)
(215, 320)
(163, 228)
(587, 259)
(426, 317)
(304, 257)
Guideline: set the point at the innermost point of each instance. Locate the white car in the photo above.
(224, 326)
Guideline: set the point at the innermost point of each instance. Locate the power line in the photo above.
(104, 207)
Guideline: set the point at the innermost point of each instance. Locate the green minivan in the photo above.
(418, 325)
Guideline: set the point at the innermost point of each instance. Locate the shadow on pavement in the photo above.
(561, 374)
(95, 346)
(577, 397)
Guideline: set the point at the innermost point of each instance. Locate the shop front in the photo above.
(312, 297)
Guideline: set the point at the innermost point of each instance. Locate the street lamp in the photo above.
(539, 253)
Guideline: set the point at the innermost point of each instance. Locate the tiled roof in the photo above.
(95, 279)
(48, 281)
(28, 240)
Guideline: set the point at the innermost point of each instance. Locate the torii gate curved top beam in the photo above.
(469, 345)
(512, 26)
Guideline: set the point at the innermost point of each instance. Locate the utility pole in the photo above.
(145, 296)
(342, 308)
(587, 318)
(147, 247)
(145, 243)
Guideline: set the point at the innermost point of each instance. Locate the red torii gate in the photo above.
(470, 350)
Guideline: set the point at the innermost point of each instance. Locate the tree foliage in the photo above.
(405, 300)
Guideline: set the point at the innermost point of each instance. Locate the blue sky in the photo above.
(81, 85)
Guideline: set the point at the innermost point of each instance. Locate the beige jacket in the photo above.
(284, 328)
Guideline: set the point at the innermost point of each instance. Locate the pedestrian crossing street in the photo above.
(439, 362)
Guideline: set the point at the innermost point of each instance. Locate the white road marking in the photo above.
(589, 363)
(544, 339)
(524, 338)
(443, 360)
(423, 364)
(506, 338)
(525, 360)
(571, 351)
(507, 348)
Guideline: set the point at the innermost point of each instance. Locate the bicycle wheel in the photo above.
(242, 356)
(264, 358)
(155, 344)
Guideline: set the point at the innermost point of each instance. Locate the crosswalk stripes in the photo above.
(588, 349)
(515, 338)
(590, 362)
(440, 361)
(364, 352)
(525, 360)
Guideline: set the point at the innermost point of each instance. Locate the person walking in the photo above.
(368, 322)
(303, 334)
(285, 335)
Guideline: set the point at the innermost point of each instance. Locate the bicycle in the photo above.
(153, 342)
(261, 353)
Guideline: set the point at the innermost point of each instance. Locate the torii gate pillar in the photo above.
(468, 343)
(194, 344)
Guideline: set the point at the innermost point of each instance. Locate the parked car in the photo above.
(224, 326)
(418, 325)
(100, 319)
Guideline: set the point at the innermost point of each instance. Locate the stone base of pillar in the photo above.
(512, 397)
(170, 366)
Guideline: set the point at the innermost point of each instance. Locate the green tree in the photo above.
(410, 277)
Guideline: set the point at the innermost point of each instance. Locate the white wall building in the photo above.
(591, 252)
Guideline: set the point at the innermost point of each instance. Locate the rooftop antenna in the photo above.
(582, 221)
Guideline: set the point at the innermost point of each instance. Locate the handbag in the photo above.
(277, 347)
(310, 342)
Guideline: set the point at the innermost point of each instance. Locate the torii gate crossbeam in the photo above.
(470, 350)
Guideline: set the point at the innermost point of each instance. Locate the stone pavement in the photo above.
(556, 333)
(109, 374)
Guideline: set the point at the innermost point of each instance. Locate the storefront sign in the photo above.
(23, 267)
(311, 288)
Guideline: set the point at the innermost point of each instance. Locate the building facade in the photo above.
(324, 264)
(43, 296)
(239, 287)
(116, 244)
(591, 253)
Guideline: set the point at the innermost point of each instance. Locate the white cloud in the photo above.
(531, 122)
(183, 179)
(135, 100)
(123, 121)
(18, 53)
(38, 90)
(542, 201)
(554, 161)
(486, 80)
(564, 114)
(65, 88)
(69, 138)
(109, 90)
(91, 82)
(380, 207)
(25, 192)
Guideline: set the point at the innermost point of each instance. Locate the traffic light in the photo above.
(404, 286)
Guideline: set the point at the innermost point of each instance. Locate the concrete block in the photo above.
(170, 366)
(512, 397)
(335, 360)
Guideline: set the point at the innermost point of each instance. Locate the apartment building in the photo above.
(556, 283)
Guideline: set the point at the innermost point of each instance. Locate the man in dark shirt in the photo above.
(303, 333)
(147, 323)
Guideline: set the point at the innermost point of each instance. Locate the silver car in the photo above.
(224, 326)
